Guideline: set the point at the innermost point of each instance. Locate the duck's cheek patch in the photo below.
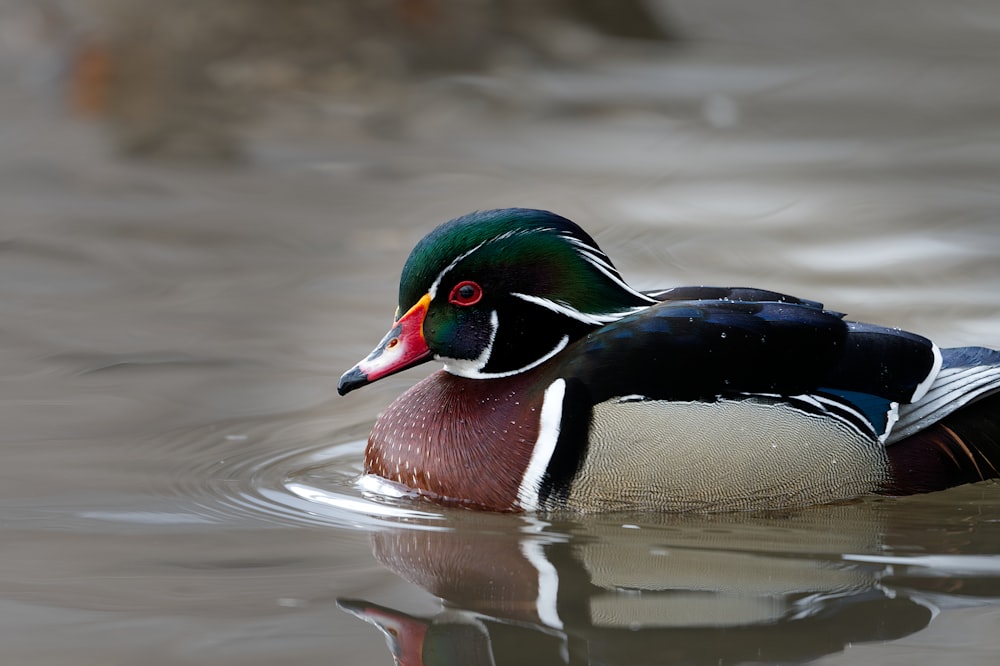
(466, 335)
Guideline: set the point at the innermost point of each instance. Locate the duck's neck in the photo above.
(459, 441)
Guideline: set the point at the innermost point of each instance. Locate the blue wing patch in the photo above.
(880, 413)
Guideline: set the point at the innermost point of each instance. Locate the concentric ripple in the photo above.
(284, 473)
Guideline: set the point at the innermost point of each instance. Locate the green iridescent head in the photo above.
(509, 289)
(495, 293)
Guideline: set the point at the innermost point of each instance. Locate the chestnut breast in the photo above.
(459, 441)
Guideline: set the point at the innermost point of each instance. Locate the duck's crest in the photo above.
(563, 266)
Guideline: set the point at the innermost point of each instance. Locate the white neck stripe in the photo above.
(473, 369)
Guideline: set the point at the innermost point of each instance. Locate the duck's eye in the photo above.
(465, 293)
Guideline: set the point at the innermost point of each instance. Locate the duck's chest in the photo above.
(529, 442)
(458, 441)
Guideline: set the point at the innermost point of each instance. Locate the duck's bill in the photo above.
(402, 347)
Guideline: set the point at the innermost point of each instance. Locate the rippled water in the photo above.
(178, 477)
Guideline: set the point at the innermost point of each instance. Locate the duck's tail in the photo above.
(951, 436)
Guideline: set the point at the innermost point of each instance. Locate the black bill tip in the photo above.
(352, 379)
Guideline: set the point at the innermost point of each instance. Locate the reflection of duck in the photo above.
(707, 591)
(415, 641)
(565, 387)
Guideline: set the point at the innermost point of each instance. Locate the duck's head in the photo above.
(495, 293)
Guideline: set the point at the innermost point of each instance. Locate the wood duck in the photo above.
(565, 388)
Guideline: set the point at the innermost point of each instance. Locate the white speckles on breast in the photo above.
(455, 443)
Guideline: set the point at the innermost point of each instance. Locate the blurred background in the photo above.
(204, 208)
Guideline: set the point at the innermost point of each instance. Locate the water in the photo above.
(178, 474)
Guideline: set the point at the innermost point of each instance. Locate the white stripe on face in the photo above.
(440, 276)
(573, 313)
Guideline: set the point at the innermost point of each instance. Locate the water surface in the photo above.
(178, 474)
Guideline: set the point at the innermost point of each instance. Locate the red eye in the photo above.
(465, 293)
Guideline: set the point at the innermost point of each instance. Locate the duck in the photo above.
(564, 388)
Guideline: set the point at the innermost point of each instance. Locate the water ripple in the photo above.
(286, 474)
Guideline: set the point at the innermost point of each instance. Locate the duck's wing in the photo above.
(720, 349)
(952, 435)
(707, 293)
(968, 374)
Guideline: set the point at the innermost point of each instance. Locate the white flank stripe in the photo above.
(810, 399)
(836, 409)
(828, 407)
(548, 583)
(549, 424)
